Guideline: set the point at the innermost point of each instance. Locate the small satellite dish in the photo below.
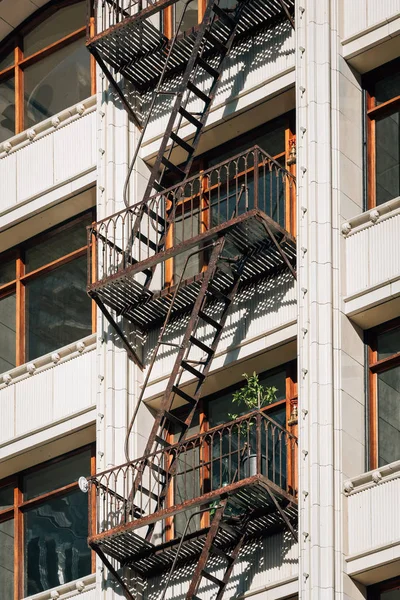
(83, 484)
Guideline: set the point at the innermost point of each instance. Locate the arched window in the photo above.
(44, 67)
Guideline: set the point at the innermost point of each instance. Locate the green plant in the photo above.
(253, 394)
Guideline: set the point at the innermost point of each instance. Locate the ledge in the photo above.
(43, 128)
(67, 590)
(374, 565)
(47, 361)
(372, 478)
(371, 217)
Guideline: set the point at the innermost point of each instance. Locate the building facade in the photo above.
(200, 345)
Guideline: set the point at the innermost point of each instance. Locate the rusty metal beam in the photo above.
(125, 590)
(280, 510)
(289, 16)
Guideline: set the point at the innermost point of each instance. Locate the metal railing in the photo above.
(208, 463)
(199, 204)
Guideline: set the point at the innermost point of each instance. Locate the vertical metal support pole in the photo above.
(256, 174)
(258, 442)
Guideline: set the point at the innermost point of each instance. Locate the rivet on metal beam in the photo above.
(302, 9)
(303, 130)
(305, 452)
(306, 534)
(304, 169)
(304, 209)
(304, 331)
(302, 49)
(302, 89)
(305, 413)
(304, 371)
(304, 290)
(304, 250)
(305, 493)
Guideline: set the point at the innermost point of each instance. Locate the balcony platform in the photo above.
(124, 544)
(246, 234)
(135, 48)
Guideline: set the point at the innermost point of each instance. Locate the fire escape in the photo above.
(210, 235)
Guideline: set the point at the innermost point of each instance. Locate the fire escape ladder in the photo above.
(236, 527)
(184, 364)
(212, 46)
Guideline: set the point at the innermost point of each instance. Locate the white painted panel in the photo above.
(373, 255)
(7, 419)
(73, 148)
(260, 308)
(35, 168)
(374, 517)
(359, 15)
(55, 393)
(73, 385)
(380, 10)
(255, 61)
(8, 179)
(262, 563)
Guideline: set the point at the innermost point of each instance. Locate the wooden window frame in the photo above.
(375, 367)
(17, 285)
(16, 511)
(168, 17)
(14, 43)
(290, 401)
(375, 591)
(373, 113)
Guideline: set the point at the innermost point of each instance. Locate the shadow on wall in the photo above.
(261, 562)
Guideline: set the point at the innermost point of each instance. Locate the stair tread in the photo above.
(201, 345)
(184, 395)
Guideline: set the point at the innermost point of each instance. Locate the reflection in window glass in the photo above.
(186, 227)
(387, 135)
(387, 88)
(64, 21)
(388, 343)
(62, 243)
(391, 595)
(7, 560)
(58, 309)
(7, 61)
(7, 333)
(389, 416)
(191, 15)
(7, 271)
(7, 109)
(56, 549)
(6, 497)
(56, 82)
(63, 472)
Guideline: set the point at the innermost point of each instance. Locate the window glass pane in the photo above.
(7, 271)
(387, 88)
(7, 109)
(388, 343)
(7, 333)
(387, 134)
(56, 550)
(56, 474)
(6, 497)
(58, 310)
(7, 560)
(61, 243)
(64, 21)
(7, 61)
(389, 416)
(186, 227)
(392, 595)
(56, 82)
(191, 15)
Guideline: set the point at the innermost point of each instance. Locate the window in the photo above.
(44, 526)
(384, 376)
(191, 16)
(387, 590)
(383, 120)
(211, 199)
(205, 461)
(43, 300)
(44, 67)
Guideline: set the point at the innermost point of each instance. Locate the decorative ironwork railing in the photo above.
(184, 212)
(205, 466)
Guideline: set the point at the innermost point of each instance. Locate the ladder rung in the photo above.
(184, 395)
(221, 553)
(192, 370)
(178, 140)
(158, 469)
(224, 16)
(228, 528)
(170, 165)
(207, 67)
(173, 419)
(212, 578)
(160, 440)
(148, 493)
(209, 320)
(199, 93)
(156, 217)
(200, 345)
(214, 41)
(189, 117)
(146, 241)
(217, 293)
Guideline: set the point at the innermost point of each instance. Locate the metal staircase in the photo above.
(238, 248)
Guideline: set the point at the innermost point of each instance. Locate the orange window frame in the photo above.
(16, 511)
(17, 285)
(14, 43)
(376, 367)
(168, 17)
(290, 402)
